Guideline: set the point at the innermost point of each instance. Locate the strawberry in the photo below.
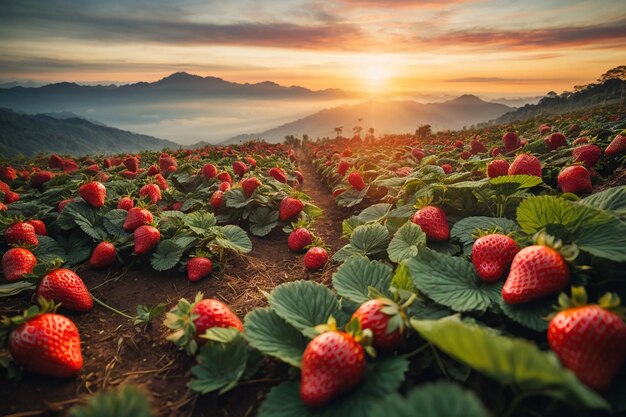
(495, 151)
(249, 185)
(525, 164)
(617, 145)
(94, 193)
(433, 222)
(146, 239)
(383, 318)
(338, 192)
(17, 262)
(152, 191)
(343, 167)
(209, 171)
(587, 154)
(419, 154)
(299, 176)
(447, 168)
(278, 174)
(511, 142)
(41, 177)
(103, 255)
(590, 340)
(63, 203)
(315, 258)
(465, 155)
(125, 203)
(55, 161)
(11, 197)
(290, 207)
(161, 181)
(555, 140)
(152, 170)
(459, 144)
(21, 232)
(355, 179)
(69, 165)
(132, 164)
(251, 161)
(8, 174)
(224, 186)
(536, 271)
(497, 168)
(198, 268)
(477, 147)
(224, 177)
(39, 226)
(3, 207)
(581, 140)
(217, 199)
(92, 169)
(128, 174)
(167, 163)
(544, 128)
(239, 168)
(492, 255)
(65, 287)
(299, 239)
(332, 364)
(178, 206)
(575, 179)
(48, 344)
(137, 217)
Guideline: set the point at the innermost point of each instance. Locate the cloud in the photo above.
(404, 3)
(490, 80)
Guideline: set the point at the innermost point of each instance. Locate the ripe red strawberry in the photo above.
(125, 203)
(224, 177)
(497, 168)
(343, 167)
(433, 222)
(587, 154)
(617, 145)
(465, 155)
(178, 206)
(69, 165)
(21, 232)
(137, 217)
(49, 345)
(63, 203)
(132, 164)
(591, 341)
(555, 140)
(3, 207)
(387, 326)
(251, 161)
(299, 239)
(511, 142)
(103, 255)
(92, 169)
(477, 147)
(39, 226)
(152, 191)
(459, 144)
(419, 154)
(198, 268)
(128, 174)
(290, 207)
(578, 141)
(167, 163)
(536, 271)
(152, 170)
(65, 287)
(299, 176)
(17, 262)
(495, 151)
(249, 185)
(41, 177)
(447, 168)
(239, 168)
(492, 255)
(55, 161)
(8, 174)
(224, 186)
(161, 181)
(575, 179)
(146, 239)
(278, 174)
(332, 364)
(544, 128)
(355, 179)
(525, 164)
(209, 171)
(11, 197)
(315, 258)
(217, 199)
(94, 193)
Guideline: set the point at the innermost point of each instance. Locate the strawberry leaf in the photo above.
(200, 221)
(166, 256)
(354, 278)
(262, 221)
(48, 250)
(530, 315)
(406, 242)
(127, 401)
(612, 200)
(440, 399)
(113, 222)
(374, 213)
(369, 240)
(272, 335)
(234, 238)
(452, 282)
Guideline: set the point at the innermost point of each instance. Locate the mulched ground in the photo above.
(115, 352)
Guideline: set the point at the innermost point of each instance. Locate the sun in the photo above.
(376, 77)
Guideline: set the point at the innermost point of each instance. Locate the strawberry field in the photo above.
(464, 273)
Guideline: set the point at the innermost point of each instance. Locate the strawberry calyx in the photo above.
(425, 201)
(569, 252)
(609, 301)
(353, 328)
(42, 269)
(180, 320)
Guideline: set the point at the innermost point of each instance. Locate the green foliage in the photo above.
(369, 240)
(406, 243)
(166, 256)
(357, 275)
(127, 401)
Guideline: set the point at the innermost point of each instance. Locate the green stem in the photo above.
(439, 361)
(417, 351)
(108, 307)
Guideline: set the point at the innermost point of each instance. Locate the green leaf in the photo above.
(200, 221)
(48, 250)
(351, 197)
(146, 314)
(13, 288)
(521, 181)
(381, 379)
(406, 242)
(113, 222)
(402, 279)
(262, 221)
(369, 240)
(166, 256)
(452, 282)
(235, 198)
(125, 401)
(510, 361)
(77, 247)
(303, 304)
(440, 399)
(354, 278)
(531, 315)
(464, 229)
(312, 211)
(267, 332)
(220, 366)
(84, 216)
(612, 199)
(374, 213)
(235, 239)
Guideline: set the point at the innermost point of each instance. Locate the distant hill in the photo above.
(386, 117)
(32, 134)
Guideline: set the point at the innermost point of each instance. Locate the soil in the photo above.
(116, 352)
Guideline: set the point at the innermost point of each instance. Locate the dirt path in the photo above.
(116, 353)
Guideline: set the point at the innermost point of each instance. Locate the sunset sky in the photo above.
(505, 47)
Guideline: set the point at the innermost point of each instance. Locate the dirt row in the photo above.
(115, 352)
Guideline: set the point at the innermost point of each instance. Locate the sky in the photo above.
(494, 47)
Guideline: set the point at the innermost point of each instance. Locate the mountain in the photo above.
(386, 117)
(32, 134)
